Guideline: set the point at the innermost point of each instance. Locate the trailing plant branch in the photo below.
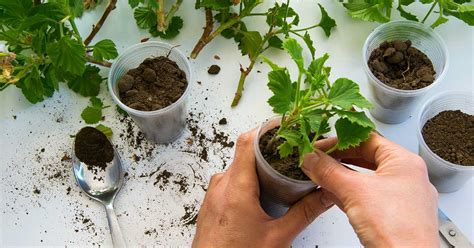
(429, 11)
(95, 29)
(103, 63)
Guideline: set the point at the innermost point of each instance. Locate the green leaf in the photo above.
(317, 65)
(314, 118)
(32, 87)
(309, 43)
(293, 137)
(294, 49)
(105, 130)
(466, 13)
(134, 3)
(279, 16)
(275, 42)
(285, 149)
(345, 94)
(406, 15)
(406, 2)
(439, 21)
(350, 134)
(326, 23)
(88, 84)
(104, 49)
(283, 92)
(274, 66)
(358, 118)
(68, 55)
(145, 17)
(214, 4)
(121, 111)
(251, 44)
(172, 31)
(93, 113)
(366, 12)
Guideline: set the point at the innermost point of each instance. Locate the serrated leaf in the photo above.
(68, 55)
(145, 17)
(105, 130)
(93, 114)
(274, 66)
(88, 84)
(172, 31)
(326, 23)
(355, 117)
(466, 13)
(104, 49)
(345, 94)
(291, 136)
(439, 21)
(309, 43)
(251, 44)
(278, 16)
(316, 66)
(279, 82)
(350, 134)
(314, 118)
(32, 87)
(406, 15)
(294, 49)
(366, 12)
(275, 42)
(285, 149)
(134, 3)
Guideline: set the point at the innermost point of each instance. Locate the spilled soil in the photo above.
(401, 66)
(93, 148)
(214, 70)
(155, 84)
(450, 135)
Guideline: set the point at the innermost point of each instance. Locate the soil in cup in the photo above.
(286, 166)
(155, 84)
(401, 66)
(450, 135)
(93, 148)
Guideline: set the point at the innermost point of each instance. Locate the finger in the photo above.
(330, 174)
(303, 213)
(243, 170)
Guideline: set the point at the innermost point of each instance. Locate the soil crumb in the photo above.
(93, 148)
(401, 66)
(223, 121)
(214, 70)
(155, 84)
(287, 166)
(450, 135)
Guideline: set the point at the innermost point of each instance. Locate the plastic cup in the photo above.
(444, 175)
(393, 105)
(160, 126)
(277, 192)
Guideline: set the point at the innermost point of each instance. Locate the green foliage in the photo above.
(307, 105)
(92, 114)
(43, 47)
(106, 130)
(380, 10)
(151, 15)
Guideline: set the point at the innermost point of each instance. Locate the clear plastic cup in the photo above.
(160, 126)
(393, 105)
(277, 192)
(444, 175)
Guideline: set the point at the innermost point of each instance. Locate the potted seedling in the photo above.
(305, 109)
(151, 82)
(445, 137)
(403, 60)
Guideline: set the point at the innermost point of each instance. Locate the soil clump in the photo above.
(93, 148)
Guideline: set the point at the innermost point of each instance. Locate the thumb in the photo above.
(326, 172)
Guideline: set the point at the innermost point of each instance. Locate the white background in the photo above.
(53, 216)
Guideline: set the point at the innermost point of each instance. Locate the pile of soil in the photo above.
(287, 166)
(450, 135)
(93, 148)
(399, 65)
(155, 84)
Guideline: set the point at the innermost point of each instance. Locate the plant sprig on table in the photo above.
(44, 47)
(380, 10)
(151, 15)
(281, 19)
(307, 105)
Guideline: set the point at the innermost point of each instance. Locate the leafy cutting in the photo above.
(44, 47)
(282, 21)
(380, 10)
(151, 15)
(307, 105)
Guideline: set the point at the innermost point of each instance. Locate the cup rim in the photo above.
(421, 140)
(406, 23)
(266, 164)
(125, 54)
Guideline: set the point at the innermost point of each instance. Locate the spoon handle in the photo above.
(117, 237)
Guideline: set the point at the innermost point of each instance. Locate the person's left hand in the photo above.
(231, 215)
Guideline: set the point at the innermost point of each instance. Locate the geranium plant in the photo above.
(152, 15)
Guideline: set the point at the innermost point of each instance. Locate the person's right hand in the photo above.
(394, 207)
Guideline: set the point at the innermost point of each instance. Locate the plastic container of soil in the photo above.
(277, 191)
(444, 175)
(392, 105)
(163, 125)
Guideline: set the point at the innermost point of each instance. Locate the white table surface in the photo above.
(152, 214)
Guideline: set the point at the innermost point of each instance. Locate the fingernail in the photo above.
(310, 160)
(326, 202)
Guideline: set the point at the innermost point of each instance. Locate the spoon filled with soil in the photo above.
(98, 171)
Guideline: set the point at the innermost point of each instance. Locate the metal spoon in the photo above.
(103, 186)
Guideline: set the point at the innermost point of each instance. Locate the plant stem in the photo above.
(304, 29)
(95, 29)
(429, 11)
(207, 31)
(172, 11)
(160, 15)
(74, 28)
(91, 59)
(332, 149)
(240, 88)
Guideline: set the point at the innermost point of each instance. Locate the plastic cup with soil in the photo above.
(403, 61)
(151, 81)
(446, 139)
(282, 183)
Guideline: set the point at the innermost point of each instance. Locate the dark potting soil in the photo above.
(93, 148)
(450, 135)
(155, 84)
(214, 70)
(399, 65)
(287, 166)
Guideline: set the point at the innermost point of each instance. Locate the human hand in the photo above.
(231, 215)
(394, 207)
